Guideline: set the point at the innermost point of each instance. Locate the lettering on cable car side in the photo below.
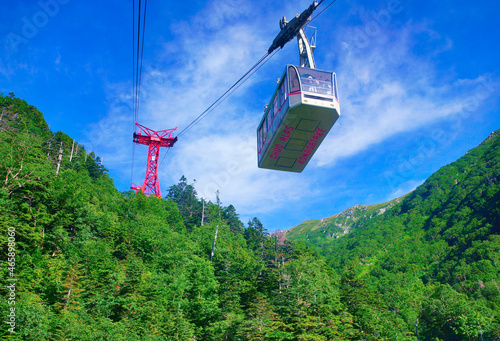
(311, 145)
(285, 135)
(276, 151)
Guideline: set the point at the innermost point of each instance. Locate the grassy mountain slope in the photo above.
(316, 231)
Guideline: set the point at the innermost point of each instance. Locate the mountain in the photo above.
(83, 261)
(315, 231)
(432, 256)
(464, 192)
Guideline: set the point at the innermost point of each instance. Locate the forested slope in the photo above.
(87, 262)
(433, 259)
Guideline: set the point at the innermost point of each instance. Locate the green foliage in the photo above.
(18, 115)
(430, 263)
(92, 263)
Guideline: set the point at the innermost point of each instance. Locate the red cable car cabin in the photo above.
(301, 112)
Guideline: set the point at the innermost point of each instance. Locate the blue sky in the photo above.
(418, 84)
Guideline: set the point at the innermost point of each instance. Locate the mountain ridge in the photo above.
(333, 226)
(353, 214)
(434, 257)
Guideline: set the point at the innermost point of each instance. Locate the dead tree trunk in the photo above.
(72, 148)
(202, 211)
(60, 158)
(213, 244)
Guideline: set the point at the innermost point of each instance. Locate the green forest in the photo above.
(82, 261)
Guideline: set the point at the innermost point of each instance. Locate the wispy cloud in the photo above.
(385, 89)
(218, 12)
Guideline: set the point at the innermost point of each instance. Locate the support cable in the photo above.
(164, 157)
(136, 99)
(224, 96)
(133, 62)
(237, 84)
(137, 58)
(138, 54)
(220, 99)
(133, 89)
(324, 9)
(142, 53)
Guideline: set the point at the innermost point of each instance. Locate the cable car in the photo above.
(302, 110)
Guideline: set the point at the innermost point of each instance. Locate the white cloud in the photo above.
(218, 12)
(385, 89)
(227, 162)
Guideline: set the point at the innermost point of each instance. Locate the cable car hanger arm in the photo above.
(289, 30)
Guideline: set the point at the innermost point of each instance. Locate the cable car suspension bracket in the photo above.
(290, 29)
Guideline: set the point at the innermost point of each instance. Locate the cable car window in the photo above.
(283, 92)
(326, 86)
(294, 79)
(269, 119)
(278, 95)
(335, 86)
(316, 81)
(309, 83)
(260, 137)
(275, 108)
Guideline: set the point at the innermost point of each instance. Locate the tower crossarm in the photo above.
(160, 141)
(155, 140)
(167, 133)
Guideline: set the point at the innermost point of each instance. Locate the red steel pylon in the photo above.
(155, 140)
